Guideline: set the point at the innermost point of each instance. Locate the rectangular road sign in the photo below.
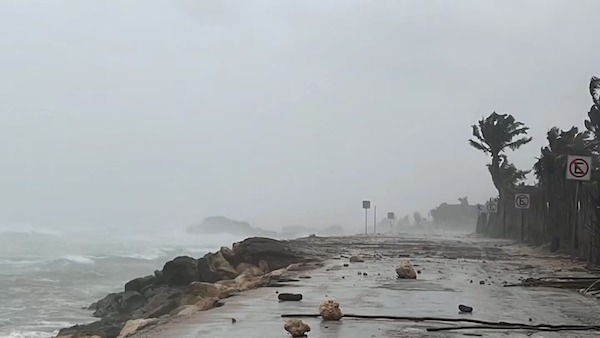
(366, 204)
(391, 215)
(522, 201)
(579, 168)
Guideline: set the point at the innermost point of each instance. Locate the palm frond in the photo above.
(518, 143)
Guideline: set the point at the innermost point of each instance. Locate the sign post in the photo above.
(391, 216)
(522, 201)
(578, 169)
(375, 219)
(366, 205)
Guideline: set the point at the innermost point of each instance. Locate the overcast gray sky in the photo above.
(160, 113)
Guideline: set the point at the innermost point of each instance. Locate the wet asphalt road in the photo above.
(447, 265)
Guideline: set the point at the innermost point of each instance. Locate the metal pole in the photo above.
(391, 225)
(366, 220)
(576, 225)
(503, 218)
(375, 219)
(522, 226)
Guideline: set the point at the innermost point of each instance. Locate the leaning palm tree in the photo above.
(494, 135)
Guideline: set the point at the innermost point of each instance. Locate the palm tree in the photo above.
(494, 135)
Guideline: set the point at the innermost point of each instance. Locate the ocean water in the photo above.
(48, 279)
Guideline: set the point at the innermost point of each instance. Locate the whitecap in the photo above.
(78, 259)
(148, 255)
(27, 334)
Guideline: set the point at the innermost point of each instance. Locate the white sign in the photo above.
(522, 201)
(492, 207)
(579, 168)
(366, 204)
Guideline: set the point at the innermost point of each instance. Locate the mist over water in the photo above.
(47, 278)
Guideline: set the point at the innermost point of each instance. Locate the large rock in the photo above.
(249, 269)
(163, 309)
(406, 270)
(116, 304)
(181, 271)
(276, 254)
(140, 283)
(330, 310)
(101, 328)
(131, 301)
(133, 326)
(214, 267)
(296, 327)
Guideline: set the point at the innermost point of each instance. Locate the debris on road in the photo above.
(587, 283)
(296, 327)
(406, 270)
(330, 310)
(465, 308)
(290, 297)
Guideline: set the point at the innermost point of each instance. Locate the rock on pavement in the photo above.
(406, 270)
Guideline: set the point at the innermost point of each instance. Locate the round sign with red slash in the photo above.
(578, 168)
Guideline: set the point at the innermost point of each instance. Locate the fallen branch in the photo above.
(549, 328)
(485, 324)
(414, 319)
(561, 282)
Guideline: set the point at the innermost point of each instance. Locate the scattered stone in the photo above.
(356, 259)
(405, 270)
(365, 274)
(330, 310)
(419, 272)
(233, 320)
(290, 297)
(312, 236)
(465, 308)
(471, 281)
(296, 327)
(359, 273)
(305, 277)
(346, 265)
(482, 282)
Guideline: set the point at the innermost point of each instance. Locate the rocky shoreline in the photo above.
(187, 285)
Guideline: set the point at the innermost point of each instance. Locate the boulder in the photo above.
(213, 267)
(330, 310)
(107, 305)
(133, 326)
(296, 327)
(131, 301)
(277, 254)
(102, 328)
(158, 297)
(140, 283)
(406, 270)
(356, 259)
(202, 289)
(181, 271)
(249, 269)
(207, 303)
(163, 309)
